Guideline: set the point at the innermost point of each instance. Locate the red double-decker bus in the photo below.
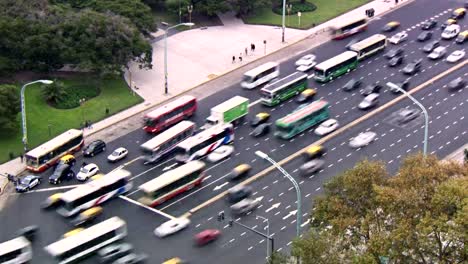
(169, 114)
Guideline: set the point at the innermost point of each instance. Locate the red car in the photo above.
(206, 236)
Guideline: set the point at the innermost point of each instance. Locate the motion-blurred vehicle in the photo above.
(450, 21)
(306, 95)
(398, 38)
(352, 85)
(326, 127)
(114, 251)
(394, 53)
(27, 183)
(424, 36)
(73, 232)
(456, 56)
(244, 206)
(132, 258)
(406, 115)
(451, 31)
(363, 139)
(237, 193)
(412, 67)
(371, 88)
(94, 148)
(117, 154)
(428, 25)
(175, 260)
(306, 59)
(29, 232)
(261, 130)
(220, 153)
(311, 167)
(459, 13)
(260, 118)
(172, 226)
(61, 172)
(352, 42)
(437, 53)
(395, 61)
(239, 171)
(369, 101)
(52, 201)
(87, 216)
(391, 26)
(87, 172)
(457, 83)
(429, 47)
(314, 152)
(207, 236)
(462, 37)
(306, 67)
(404, 84)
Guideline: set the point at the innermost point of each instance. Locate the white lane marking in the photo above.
(54, 188)
(254, 103)
(150, 169)
(147, 207)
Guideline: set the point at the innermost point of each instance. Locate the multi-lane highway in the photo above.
(447, 130)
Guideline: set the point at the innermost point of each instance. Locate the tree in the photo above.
(211, 7)
(277, 258)
(9, 108)
(53, 92)
(246, 7)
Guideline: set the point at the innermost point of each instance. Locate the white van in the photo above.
(451, 31)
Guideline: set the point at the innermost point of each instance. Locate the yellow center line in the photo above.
(328, 137)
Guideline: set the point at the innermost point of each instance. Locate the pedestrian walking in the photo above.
(246, 52)
(21, 157)
(253, 47)
(240, 58)
(396, 2)
(233, 59)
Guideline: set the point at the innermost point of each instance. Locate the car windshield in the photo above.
(26, 180)
(84, 170)
(115, 153)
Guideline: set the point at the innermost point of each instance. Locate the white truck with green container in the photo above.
(231, 111)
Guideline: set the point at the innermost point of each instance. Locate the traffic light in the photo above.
(220, 216)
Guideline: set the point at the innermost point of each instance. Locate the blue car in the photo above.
(28, 182)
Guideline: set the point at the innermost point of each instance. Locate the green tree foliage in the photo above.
(53, 92)
(245, 7)
(173, 6)
(277, 258)
(210, 7)
(9, 108)
(417, 216)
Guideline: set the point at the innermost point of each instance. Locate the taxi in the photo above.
(97, 176)
(314, 152)
(306, 95)
(390, 26)
(87, 216)
(239, 171)
(260, 118)
(68, 159)
(73, 232)
(175, 260)
(462, 37)
(447, 23)
(459, 13)
(52, 201)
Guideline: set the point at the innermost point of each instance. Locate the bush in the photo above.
(71, 98)
(296, 7)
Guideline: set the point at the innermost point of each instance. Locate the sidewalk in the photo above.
(210, 52)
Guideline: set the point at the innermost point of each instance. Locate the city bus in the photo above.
(162, 144)
(73, 248)
(172, 183)
(283, 89)
(336, 66)
(349, 27)
(301, 119)
(369, 46)
(15, 251)
(47, 154)
(169, 114)
(203, 143)
(260, 75)
(95, 192)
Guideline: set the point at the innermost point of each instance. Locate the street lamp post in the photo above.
(284, 15)
(23, 111)
(268, 232)
(426, 116)
(289, 7)
(190, 10)
(166, 87)
(296, 186)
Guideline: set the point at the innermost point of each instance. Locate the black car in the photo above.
(429, 25)
(261, 130)
(371, 88)
(351, 85)
(402, 84)
(412, 67)
(426, 35)
(429, 47)
(395, 61)
(94, 148)
(62, 172)
(407, 115)
(27, 183)
(393, 53)
(457, 83)
(238, 193)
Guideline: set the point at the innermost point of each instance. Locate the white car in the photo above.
(306, 67)
(363, 139)
(399, 37)
(117, 154)
(306, 60)
(87, 172)
(451, 31)
(244, 206)
(456, 56)
(220, 153)
(326, 127)
(172, 226)
(437, 53)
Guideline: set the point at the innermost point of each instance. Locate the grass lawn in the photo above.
(326, 10)
(114, 94)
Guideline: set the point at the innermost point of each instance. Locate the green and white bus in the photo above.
(301, 119)
(283, 89)
(336, 66)
(369, 46)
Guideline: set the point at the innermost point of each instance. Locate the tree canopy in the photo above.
(9, 108)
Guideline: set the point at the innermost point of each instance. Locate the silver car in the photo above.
(114, 251)
(311, 167)
(369, 101)
(244, 206)
(363, 139)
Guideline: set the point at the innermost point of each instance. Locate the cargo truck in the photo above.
(231, 111)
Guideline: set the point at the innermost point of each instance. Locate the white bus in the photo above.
(15, 251)
(369, 46)
(94, 192)
(162, 144)
(73, 248)
(172, 183)
(336, 66)
(203, 143)
(260, 75)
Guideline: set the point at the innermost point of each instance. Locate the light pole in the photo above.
(23, 111)
(166, 88)
(190, 9)
(268, 232)
(296, 186)
(284, 14)
(426, 116)
(289, 7)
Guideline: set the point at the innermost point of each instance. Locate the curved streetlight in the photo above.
(23, 111)
(268, 233)
(166, 86)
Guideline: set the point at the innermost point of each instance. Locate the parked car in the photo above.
(306, 95)
(457, 83)
(314, 152)
(352, 85)
(406, 115)
(412, 67)
(87, 216)
(62, 172)
(402, 84)
(369, 101)
(29, 232)
(326, 127)
(260, 118)
(394, 53)
(311, 167)
(398, 38)
(371, 88)
(395, 61)
(239, 171)
(428, 25)
(363, 139)
(244, 206)
(52, 201)
(456, 56)
(28, 182)
(390, 26)
(237, 193)
(132, 258)
(114, 251)
(425, 35)
(306, 59)
(220, 153)
(437, 53)
(117, 154)
(207, 236)
(172, 226)
(261, 130)
(94, 148)
(429, 47)
(87, 172)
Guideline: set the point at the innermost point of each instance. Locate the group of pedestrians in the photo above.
(246, 53)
